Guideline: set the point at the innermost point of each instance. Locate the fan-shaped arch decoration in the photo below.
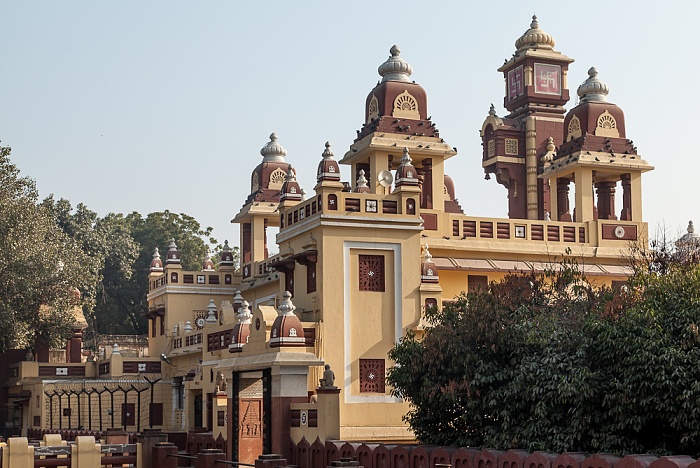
(277, 178)
(373, 109)
(574, 130)
(406, 107)
(606, 126)
(255, 183)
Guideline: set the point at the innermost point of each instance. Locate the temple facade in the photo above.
(295, 344)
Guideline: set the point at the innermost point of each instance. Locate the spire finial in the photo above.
(691, 228)
(535, 24)
(406, 158)
(273, 151)
(593, 89)
(327, 153)
(361, 180)
(395, 68)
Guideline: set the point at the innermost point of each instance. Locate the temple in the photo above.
(236, 352)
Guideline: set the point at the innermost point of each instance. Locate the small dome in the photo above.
(207, 264)
(156, 263)
(593, 90)
(287, 329)
(692, 238)
(241, 331)
(211, 313)
(273, 151)
(428, 269)
(361, 184)
(406, 174)
(226, 258)
(328, 167)
(534, 38)
(290, 189)
(395, 68)
(173, 255)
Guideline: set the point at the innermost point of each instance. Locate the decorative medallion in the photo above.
(371, 206)
(371, 268)
(606, 125)
(619, 232)
(547, 79)
(373, 109)
(574, 130)
(406, 107)
(277, 179)
(372, 376)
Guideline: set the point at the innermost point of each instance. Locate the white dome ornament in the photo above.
(395, 68)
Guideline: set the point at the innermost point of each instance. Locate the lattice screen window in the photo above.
(371, 269)
(511, 147)
(372, 376)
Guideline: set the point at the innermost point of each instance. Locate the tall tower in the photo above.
(396, 117)
(596, 153)
(260, 208)
(535, 94)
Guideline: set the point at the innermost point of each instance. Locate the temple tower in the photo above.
(396, 117)
(535, 94)
(596, 154)
(260, 209)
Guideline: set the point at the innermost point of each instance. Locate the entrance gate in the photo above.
(251, 414)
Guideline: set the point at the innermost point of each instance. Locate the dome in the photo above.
(290, 189)
(691, 238)
(287, 329)
(207, 264)
(156, 263)
(361, 184)
(226, 258)
(328, 167)
(593, 89)
(395, 68)
(406, 174)
(534, 38)
(273, 151)
(173, 255)
(241, 331)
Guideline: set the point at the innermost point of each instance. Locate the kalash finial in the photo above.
(327, 153)
(406, 158)
(535, 24)
(691, 228)
(395, 68)
(273, 151)
(593, 89)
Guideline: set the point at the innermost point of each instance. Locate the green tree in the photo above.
(39, 265)
(546, 362)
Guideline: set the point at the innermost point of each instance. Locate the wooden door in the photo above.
(250, 434)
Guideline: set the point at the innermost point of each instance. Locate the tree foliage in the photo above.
(39, 265)
(547, 362)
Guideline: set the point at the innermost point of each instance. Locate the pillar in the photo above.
(86, 452)
(531, 168)
(606, 200)
(563, 199)
(626, 214)
(18, 453)
(208, 458)
(426, 196)
(584, 195)
(74, 347)
(161, 455)
(149, 438)
(329, 408)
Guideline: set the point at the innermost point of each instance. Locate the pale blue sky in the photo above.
(152, 105)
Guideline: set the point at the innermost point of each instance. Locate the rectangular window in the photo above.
(311, 277)
(371, 272)
(372, 376)
(477, 282)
